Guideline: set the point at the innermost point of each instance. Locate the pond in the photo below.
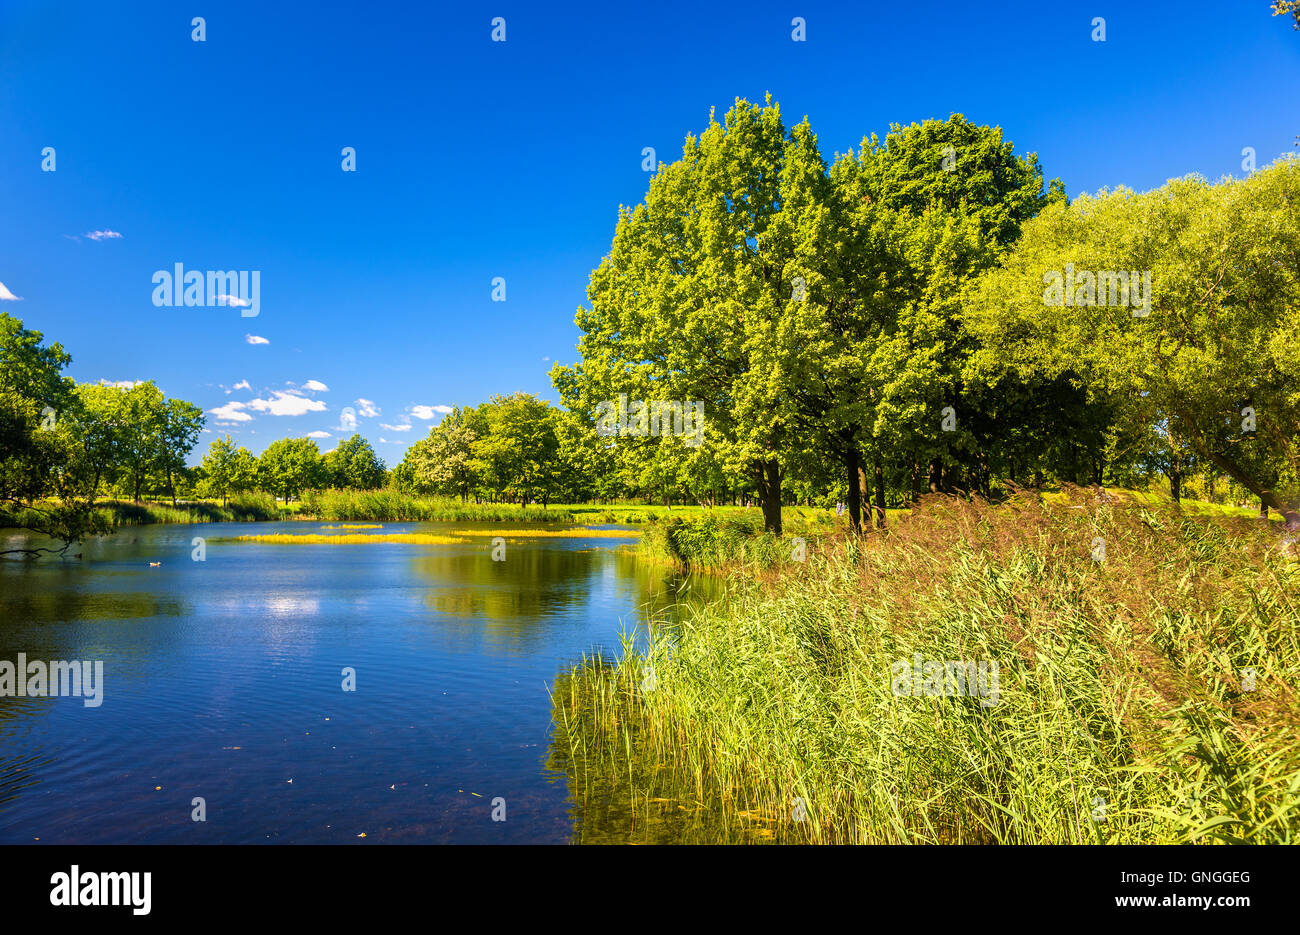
(224, 680)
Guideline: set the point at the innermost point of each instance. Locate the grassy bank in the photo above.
(391, 506)
(712, 549)
(1122, 711)
(242, 508)
(736, 542)
(714, 544)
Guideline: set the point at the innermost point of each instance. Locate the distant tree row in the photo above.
(65, 446)
(288, 467)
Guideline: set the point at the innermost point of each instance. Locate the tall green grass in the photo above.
(247, 507)
(393, 506)
(731, 542)
(1123, 713)
(241, 508)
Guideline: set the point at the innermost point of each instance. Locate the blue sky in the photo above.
(479, 159)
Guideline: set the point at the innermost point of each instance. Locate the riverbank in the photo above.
(713, 539)
(1128, 679)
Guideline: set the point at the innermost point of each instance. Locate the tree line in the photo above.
(897, 321)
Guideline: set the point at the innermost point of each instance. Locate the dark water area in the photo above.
(223, 679)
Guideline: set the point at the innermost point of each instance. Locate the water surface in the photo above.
(223, 680)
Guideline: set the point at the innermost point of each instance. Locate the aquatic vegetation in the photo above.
(1146, 659)
(578, 532)
(309, 538)
(449, 537)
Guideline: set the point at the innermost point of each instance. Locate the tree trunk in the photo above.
(851, 459)
(1176, 485)
(936, 475)
(878, 475)
(1267, 498)
(954, 480)
(769, 490)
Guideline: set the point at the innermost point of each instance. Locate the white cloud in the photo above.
(367, 409)
(318, 434)
(395, 428)
(316, 386)
(230, 413)
(255, 339)
(234, 300)
(7, 296)
(241, 385)
(103, 235)
(428, 412)
(286, 403)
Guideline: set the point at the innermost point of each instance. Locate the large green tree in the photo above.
(689, 303)
(925, 210)
(219, 468)
(516, 454)
(178, 432)
(38, 407)
(1209, 350)
(443, 461)
(289, 466)
(354, 463)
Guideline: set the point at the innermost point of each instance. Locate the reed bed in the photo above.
(727, 544)
(1127, 710)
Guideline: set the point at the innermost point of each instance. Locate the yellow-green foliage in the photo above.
(576, 533)
(408, 538)
(450, 537)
